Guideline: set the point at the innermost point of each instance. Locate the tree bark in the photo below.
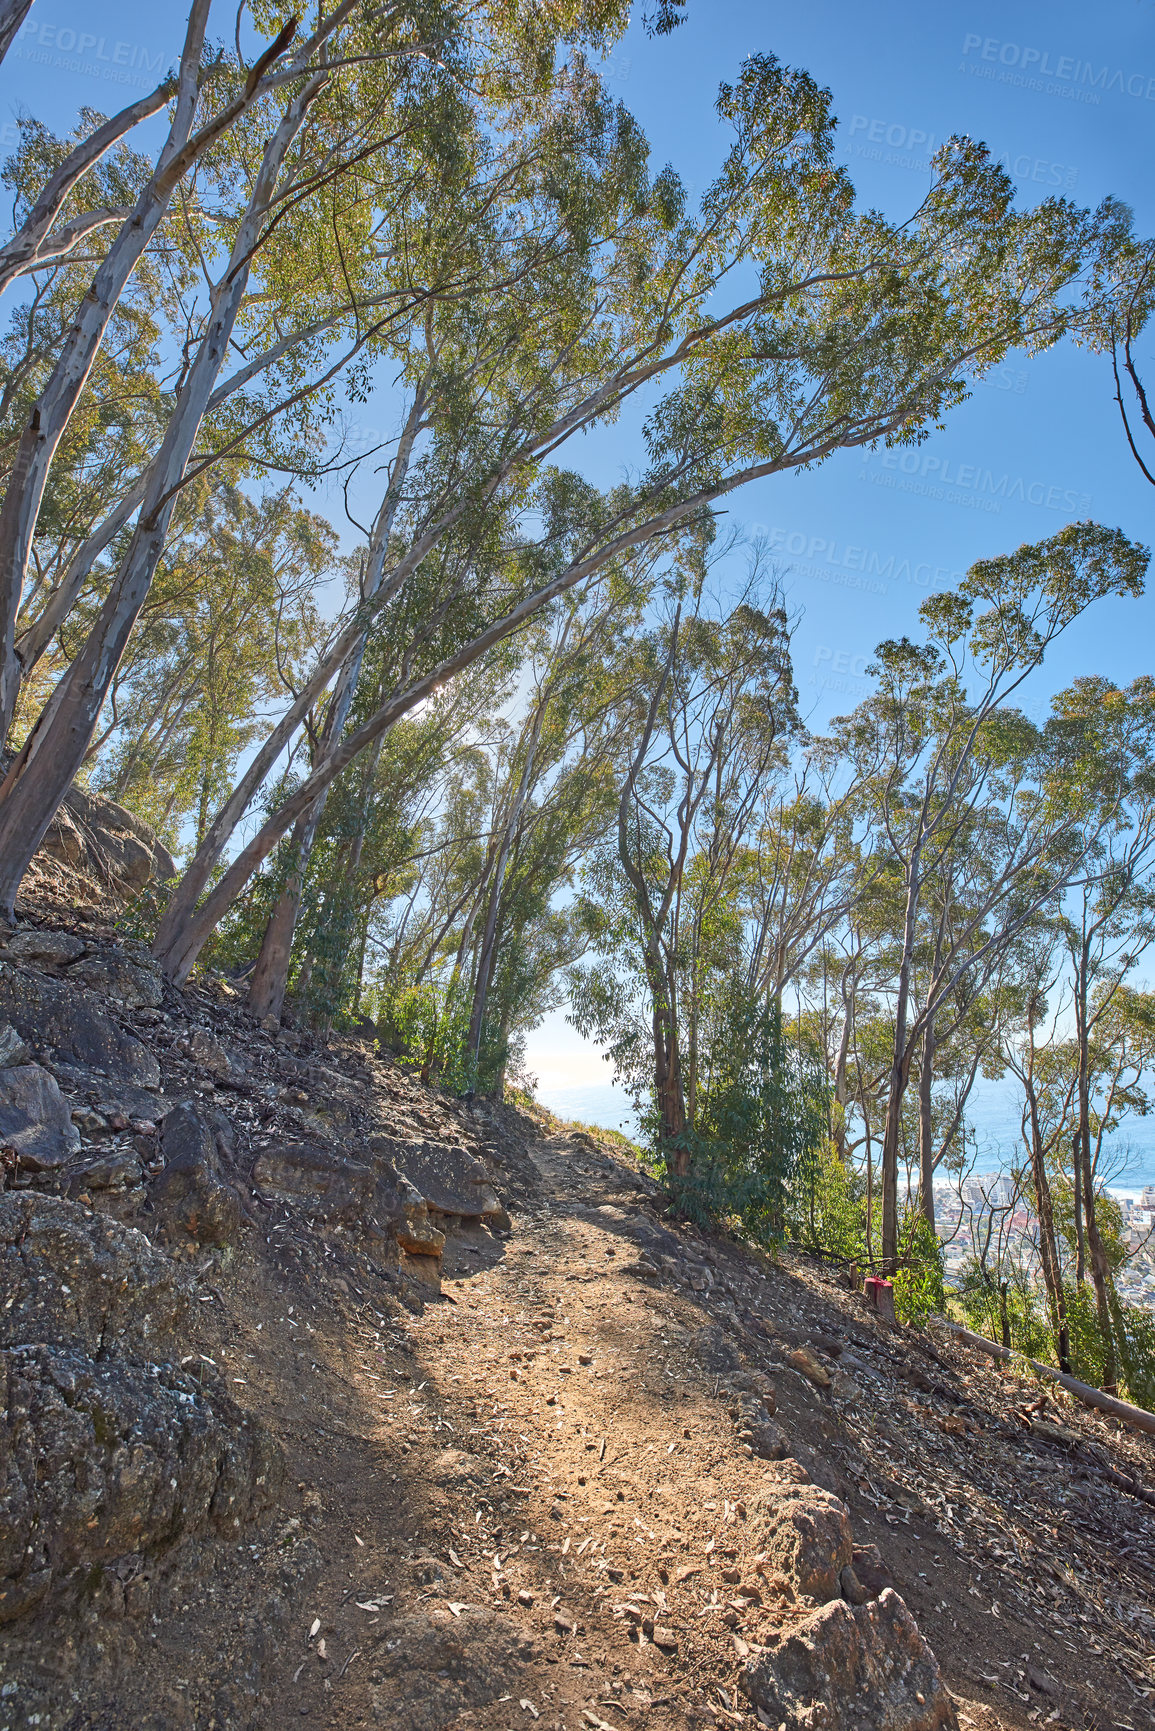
(12, 15)
(52, 413)
(40, 775)
(926, 1150)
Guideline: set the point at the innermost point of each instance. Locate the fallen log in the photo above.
(1137, 1416)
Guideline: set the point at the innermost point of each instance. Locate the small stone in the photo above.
(806, 1364)
(12, 1047)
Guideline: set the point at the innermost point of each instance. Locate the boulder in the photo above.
(845, 1668)
(35, 1119)
(114, 851)
(110, 1169)
(315, 1180)
(190, 1195)
(121, 981)
(803, 1531)
(73, 1278)
(65, 1028)
(221, 1062)
(767, 1439)
(452, 1180)
(804, 1361)
(45, 948)
(103, 1460)
(413, 1228)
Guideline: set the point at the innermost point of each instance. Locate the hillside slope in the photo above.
(332, 1400)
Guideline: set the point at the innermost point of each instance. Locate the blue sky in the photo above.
(1064, 94)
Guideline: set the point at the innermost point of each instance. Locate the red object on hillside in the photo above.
(879, 1295)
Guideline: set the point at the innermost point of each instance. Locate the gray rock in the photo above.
(60, 1023)
(315, 1180)
(122, 981)
(72, 1278)
(190, 1195)
(452, 1180)
(222, 1062)
(104, 1460)
(35, 1118)
(865, 1668)
(111, 1170)
(12, 1047)
(112, 849)
(51, 949)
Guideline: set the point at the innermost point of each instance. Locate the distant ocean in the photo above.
(993, 1116)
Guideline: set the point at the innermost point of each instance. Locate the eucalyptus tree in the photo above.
(229, 624)
(559, 772)
(716, 703)
(856, 330)
(281, 154)
(938, 760)
(1108, 921)
(50, 416)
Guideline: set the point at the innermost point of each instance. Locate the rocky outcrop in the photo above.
(67, 1030)
(452, 1180)
(803, 1532)
(191, 1197)
(103, 1460)
(851, 1669)
(73, 1278)
(35, 1121)
(107, 1449)
(315, 1179)
(97, 849)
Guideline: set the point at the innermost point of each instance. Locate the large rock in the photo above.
(35, 1119)
(115, 852)
(844, 1669)
(63, 1026)
(803, 1531)
(74, 1278)
(315, 1180)
(103, 1460)
(120, 980)
(452, 1180)
(190, 1195)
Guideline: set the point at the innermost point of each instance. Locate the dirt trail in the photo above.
(530, 1499)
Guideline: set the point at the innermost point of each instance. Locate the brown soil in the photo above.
(492, 1503)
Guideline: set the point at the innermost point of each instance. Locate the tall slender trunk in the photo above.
(42, 771)
(1082, 1105)
(841, 1085)
(270, 977)
(1048, 1245)
(344, 659)
(52, 413)
(926, 1125)
(487, 954)
(1087, 1221)
(1100, 1272)
(899, 1074)
(12, 16)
